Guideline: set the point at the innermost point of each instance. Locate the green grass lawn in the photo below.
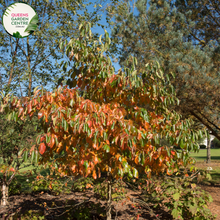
(202, 155)
(201, 159)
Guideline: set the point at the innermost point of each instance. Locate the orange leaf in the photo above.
(96, 160)
(136, 160)
(52, 142)
(94, 145)
(42, 148)
(94, 174)
(139, 135)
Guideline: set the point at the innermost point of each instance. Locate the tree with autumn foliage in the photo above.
(107, 130)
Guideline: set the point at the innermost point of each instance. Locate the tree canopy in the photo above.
(35, 60)
(164, 32)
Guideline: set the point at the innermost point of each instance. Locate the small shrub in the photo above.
(118, 190)
(14, 188)
(82, 184)
(181, 197)
(54, 185)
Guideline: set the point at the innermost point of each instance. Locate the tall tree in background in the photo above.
(157, 30)
(28, 62)
(205, 14)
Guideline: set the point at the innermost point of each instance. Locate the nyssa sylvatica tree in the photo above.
(107, 130)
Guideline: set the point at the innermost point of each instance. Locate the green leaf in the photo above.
(32, 156)
(17, 35)
(36, 157)
(135, 173)
(106, 148)
(86, 164)
(72, 102)
(65, 125)
(181, 144)
(193, 209)
(130, 174)
(32, 24)
(25, 157)
(208, 176)
(175, 213)
(176, 196)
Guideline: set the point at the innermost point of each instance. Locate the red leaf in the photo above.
(42, 138)
(42, 148)
(12, 169)
(173, 152)
(90, 124)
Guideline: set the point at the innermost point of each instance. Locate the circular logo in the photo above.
(20, 20)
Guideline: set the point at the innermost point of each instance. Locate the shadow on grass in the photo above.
(205, 157)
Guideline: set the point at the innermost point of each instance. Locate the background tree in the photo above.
(32, 61)
(157, 30)
(107, 131)
(206, 16)
(16, 139)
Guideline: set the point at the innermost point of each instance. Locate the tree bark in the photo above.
(207, 125)
(29, 68)
(109, 202)
(4, 200)
(13, 62)
(208, 150)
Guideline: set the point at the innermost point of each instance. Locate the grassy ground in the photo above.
(215, 164)
(202, 155)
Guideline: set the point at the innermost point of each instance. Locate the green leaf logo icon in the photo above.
(32, 25)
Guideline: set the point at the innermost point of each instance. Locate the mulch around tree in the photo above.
(122, 210)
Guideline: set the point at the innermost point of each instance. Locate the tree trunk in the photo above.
(13, 62)
(208, 150)
(29, 68)
(109, 202)
(4, 200)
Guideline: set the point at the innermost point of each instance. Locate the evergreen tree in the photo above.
(205, 14)
(157, 30)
